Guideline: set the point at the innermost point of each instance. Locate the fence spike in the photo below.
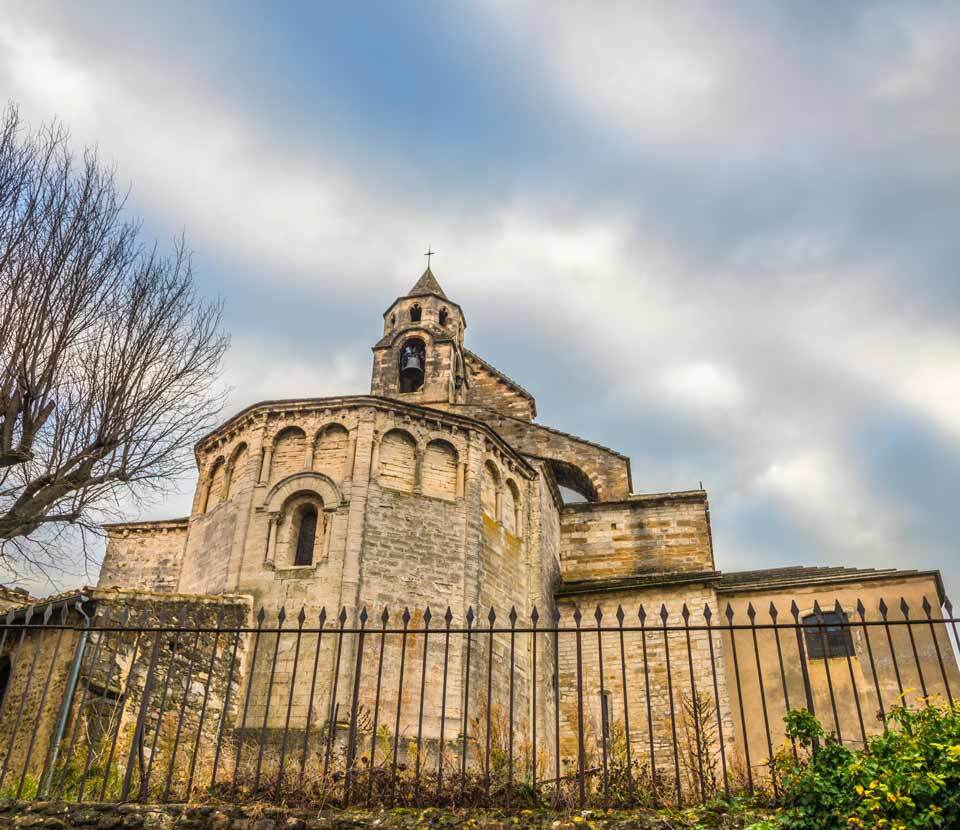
(838, 608)
(302, 616)
(470, 615)
(664, 614)
(774, 613)
(905, 608)
(642, 614)
(427, 616)
(342, 616)
(620, 614)
(48, 614)
(448, 617)
(818, 611)
(751, 613)
(861, 610)
(927, 607)
(598, 615)
(363, 615)
(794, 610)
(707, 613)
(948, 605)
(405, 616)
(385, 615)
(882, 608)
(535, 615)
(577, 616)
(281, 615)
(685, 613)
(261, 616)
(513, 615)
(492, 616)
(729, 613)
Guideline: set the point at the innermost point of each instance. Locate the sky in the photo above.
(721, 238)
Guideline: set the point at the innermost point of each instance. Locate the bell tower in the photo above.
(420, 358)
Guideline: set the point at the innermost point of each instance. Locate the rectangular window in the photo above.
(831, 639)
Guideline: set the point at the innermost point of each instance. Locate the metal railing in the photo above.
(608, 708)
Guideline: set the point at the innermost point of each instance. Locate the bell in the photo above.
(411, 362)
(411, 372)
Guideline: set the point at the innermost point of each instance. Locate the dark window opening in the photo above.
(4, 677)
(831, 639)
(306, 536)
(412, 363)
(444, 314)
(415, 313)
(393, 320)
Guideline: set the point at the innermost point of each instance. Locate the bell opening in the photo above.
(412, 362)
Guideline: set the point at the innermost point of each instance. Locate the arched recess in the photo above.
(571, 477)
(304, 481)
(489, 489)
(438, 475)
(215, 485)
(512, 508)
(289, 503)
(235, 471)
(397, 467)
(330, 451)
(289, 452)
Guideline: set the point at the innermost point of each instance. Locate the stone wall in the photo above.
(188, 677)
(493, 391)
(653, 534)
(854, 684)
(652, 663)
(144, 555)
(608, 471)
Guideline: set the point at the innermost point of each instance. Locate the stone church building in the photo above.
(440, 489)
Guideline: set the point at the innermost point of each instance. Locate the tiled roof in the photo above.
(427, 284)
(799, 575)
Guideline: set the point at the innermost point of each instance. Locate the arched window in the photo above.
(413, 356)
(444, 316)
(829, 639)
(393, 320)
(415, 312)
(306, 535)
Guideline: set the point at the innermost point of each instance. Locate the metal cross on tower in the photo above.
(429, 254)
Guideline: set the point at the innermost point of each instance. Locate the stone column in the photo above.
(266, 461)
(461, 478)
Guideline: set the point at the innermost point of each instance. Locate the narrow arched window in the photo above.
(306, 536)
(444, 314)
(415, 313)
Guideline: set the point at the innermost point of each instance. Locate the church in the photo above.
(438, 489)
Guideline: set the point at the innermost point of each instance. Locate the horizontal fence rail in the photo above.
(609, 706)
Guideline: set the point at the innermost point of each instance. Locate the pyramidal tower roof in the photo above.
(427, 284)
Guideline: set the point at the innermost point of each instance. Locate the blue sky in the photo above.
(721, 238)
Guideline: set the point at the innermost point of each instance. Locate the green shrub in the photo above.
(906, 778)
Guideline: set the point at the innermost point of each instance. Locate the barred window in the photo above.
(832, 635)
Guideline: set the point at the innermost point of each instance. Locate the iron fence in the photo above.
(608, 707)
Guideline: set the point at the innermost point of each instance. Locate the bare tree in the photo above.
(108, 358)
